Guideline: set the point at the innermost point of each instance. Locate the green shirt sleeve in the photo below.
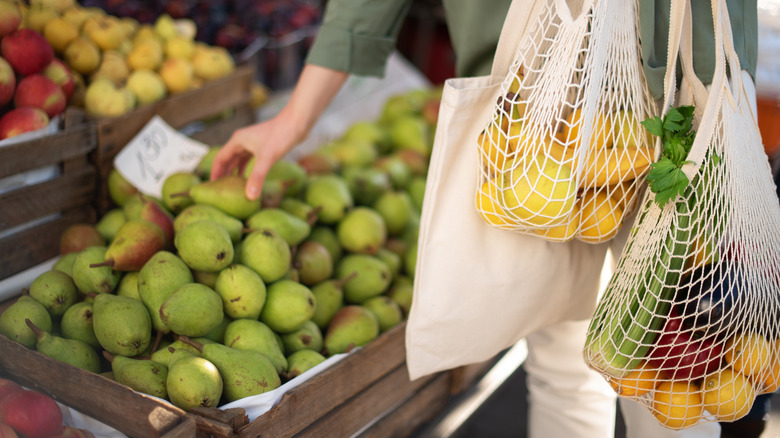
(654, 32)
(357, 36)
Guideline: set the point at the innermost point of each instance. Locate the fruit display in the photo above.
(547, 182)
(203, 297)
(32, 414)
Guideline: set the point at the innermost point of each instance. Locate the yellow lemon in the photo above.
(488, 206)
(601, 216)
(748, 353)
(728, 395)
(772, 379)
(494, 148)
(627, 130)
(677, 404)
(643, 379)
(538, 190)
(601, 134)
(607, 167)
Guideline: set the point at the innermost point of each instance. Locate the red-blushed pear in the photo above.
(60, 73)
(37, 90)
(8, 387)
(7, 82)
(136, 241)
(27, 51)
(152, 212)
(79, 236)
(31, 414)
(20, 120)
(10, 17)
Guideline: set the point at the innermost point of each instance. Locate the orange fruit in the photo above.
(677, 404)
(748, 353)
(728, 395)
(772, 379)
(494, 148)
(638, 382)
(601, 134)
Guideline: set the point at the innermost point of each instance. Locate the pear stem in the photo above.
(192, 343)
(180, 194)
(313, 215)
(110, 357)
(340, 283)
(109, 262)
(157, 340)
(38, 332)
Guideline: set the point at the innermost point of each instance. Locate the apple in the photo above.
(27, 51)
(21, 120)
(39, 91)
(177, 74)
(61, 74)
(7, 82)
(8, 387)
(10, 17)
(31, 413)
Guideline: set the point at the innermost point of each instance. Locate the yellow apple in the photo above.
(147, 86)
(177, 74)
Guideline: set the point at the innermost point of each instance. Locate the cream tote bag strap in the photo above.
(478, 289)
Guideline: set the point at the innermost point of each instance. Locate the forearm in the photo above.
(315, 89)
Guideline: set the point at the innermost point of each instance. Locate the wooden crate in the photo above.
(32, 217)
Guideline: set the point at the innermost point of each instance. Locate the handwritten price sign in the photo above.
(156, 152)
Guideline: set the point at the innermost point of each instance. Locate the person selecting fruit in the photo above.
(356, 38)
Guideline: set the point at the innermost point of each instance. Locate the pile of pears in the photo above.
(203, 297)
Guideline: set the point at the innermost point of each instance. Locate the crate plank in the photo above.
(53, 149)
(351, 416)
(73, 190)
(306, 403)
(412, 413)
(187, 428)
(218, 133)
(116, 405)
(35, 245)
(114, 133)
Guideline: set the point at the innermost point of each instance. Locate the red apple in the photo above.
(21, 120)
(31, 413)
(8, 387)
(39, 91)
(7, 431)
(10, 17)
(61, 74)
(27, 51)
(7, 82)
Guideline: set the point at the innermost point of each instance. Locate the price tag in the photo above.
(156, 152)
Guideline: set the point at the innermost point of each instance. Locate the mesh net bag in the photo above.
(564, 155)
(689, 322)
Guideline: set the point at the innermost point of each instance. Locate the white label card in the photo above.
(156, 152)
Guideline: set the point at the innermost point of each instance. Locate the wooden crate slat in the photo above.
(114, 133)
(420, 408)
(37, 244)
(351, 416)
(219, 132)
(308, 402)
(73, 190)
(45, 151)
(103, 399)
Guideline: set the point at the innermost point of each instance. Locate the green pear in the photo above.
(396, 208)
(135, 242)
(199, 212)
(227, 194)
(205, 246)
(362, 231)
(55, 290)
(13, 325)
(128, 285)
(352, 326)
(370, 131)
(292, 229)
(70, 351)
(329, 298)
(165, 351)
(366, 183)
(387, 311)
(242, 291)
(160, 276)
(394, 261)
(122, 325)
(64, 263)
(411, 132)
(308, 337)
(135, 205)
(299, 209)
(176, 183)
(244, 372)
(208, 278)
(79, 236)
(417, 161)
(267, 253)
(101, 279)
(401, 105)
(248, 334)
(302, 361)
(203, 168)
(273, 193)
(291, 172)
(329, 239)
(288, 305)
(193, 382)
(416, 190)
(319, 163)
(119, 189)
(355, 152)
(401, 291)
(76, 323)
(313, 263)
(192, 310)
(110, 223)
(331, 195)
(397, 170)
(373, 276)
(410, 260)
(143, 375)
(217, 334)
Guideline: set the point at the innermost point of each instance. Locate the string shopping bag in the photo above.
(564, 155)
(689, 324)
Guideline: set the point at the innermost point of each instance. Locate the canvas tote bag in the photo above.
(690, 321)
(479, 289)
